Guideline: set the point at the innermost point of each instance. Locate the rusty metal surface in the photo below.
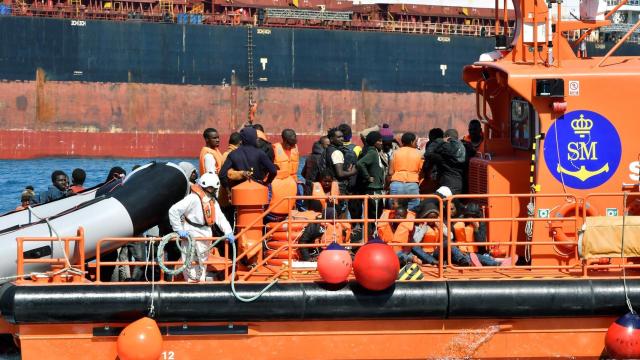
(49, 118)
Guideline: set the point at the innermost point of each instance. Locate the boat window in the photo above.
(521, 124)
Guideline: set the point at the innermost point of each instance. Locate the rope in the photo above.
(624, 272)
(190, 252)
(233, 277)
(152, 308)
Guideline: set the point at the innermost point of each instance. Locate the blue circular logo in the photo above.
(582, 149)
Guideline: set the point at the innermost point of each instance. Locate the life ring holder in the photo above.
(557, 231)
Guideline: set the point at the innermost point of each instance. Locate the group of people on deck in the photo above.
(338, 166)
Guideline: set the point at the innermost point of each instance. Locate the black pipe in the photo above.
(416, 300)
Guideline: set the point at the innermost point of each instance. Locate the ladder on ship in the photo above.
(251, 85)
(166, 9)
(75, 6)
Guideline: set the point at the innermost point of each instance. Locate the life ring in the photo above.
(283, 227)
(564, 232)
(284, 236)
(235, 19)
(273, 246)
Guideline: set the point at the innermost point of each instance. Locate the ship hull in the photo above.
(135, 89)
(459, 319)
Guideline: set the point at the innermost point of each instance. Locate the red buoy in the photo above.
(623, 337)
(334, 264)
(140, 340)
(376, 265)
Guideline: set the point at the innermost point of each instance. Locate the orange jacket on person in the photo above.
(432, 235)
(76, 188)
(464, 233)
(208, 207)
(402, 234)
(317, 190)
(341, 231)
(406, 165)
(287, 161)
(217, 155)
(479, 147)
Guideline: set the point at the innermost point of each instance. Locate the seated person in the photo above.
(326, 186)
(476, 231)
(460, 255)
(322, 232)
(397, 232)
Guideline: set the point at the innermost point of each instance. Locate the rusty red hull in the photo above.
(49, 118)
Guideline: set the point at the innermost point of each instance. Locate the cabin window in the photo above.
(521, 124)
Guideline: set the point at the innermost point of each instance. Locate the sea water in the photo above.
(16, 174)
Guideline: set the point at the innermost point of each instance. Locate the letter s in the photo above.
(634, 167)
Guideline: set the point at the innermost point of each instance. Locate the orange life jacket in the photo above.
(431, 236)
(479, 147)
(287, 163)
(217, 155)
(319, 191)
(464, 233)
(406, 164)
(208, 207)
(282, 188)
(342, 233)
(402, 233)
(261, 135)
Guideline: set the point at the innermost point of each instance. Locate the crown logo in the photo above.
(581, 126)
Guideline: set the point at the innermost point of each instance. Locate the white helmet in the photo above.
(209, 180)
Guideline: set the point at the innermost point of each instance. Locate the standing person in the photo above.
(311, 168)
(247, 162)
(193, 216)
(429, 172)
(77, 180)
(263, 143)
(371, 170)
(351, 153)
(335, 163)
(58, 189)
(347, 135)
(475, 138)
(224, 196)
(405, 169)
(449, 157)
(234, 142)
(287, 160)
(210, 155)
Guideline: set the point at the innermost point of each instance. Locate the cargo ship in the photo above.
(557, 185)
(144, 79)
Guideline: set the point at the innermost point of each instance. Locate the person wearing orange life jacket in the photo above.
(285, 184)
(210, 155)
(324, 233)
(263, 142)
(325, 187)
(194, 215)
(405, 168)
(397, 232)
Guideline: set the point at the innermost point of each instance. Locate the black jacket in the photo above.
(449, 160)
(247, 157)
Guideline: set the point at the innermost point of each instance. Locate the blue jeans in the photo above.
(406, 188)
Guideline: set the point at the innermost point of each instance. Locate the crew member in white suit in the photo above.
(194, 215)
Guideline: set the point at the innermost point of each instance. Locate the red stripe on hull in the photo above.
(51, 118)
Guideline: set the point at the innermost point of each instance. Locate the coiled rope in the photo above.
(190, 254)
